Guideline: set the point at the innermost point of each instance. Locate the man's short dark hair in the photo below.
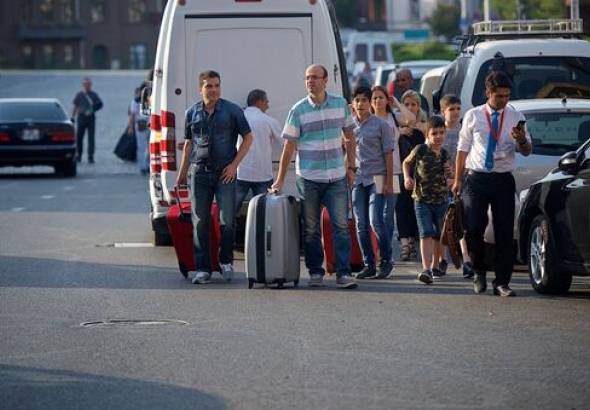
(255, 96)
(208, 74)
(364, 91)
(434, 121)
(498, 79)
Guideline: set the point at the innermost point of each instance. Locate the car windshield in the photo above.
(36, 111)
(557, 133)
(539, 77)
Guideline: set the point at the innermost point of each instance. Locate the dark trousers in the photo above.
(405, 213)
(84, 123)
(480, 191)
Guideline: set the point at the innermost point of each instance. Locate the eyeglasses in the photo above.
(313, 77)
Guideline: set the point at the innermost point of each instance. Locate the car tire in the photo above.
(68, 169)
(162, 239)
(545, 274)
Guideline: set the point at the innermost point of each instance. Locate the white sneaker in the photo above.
(201, 278)
(227, 271)
(315, 281)
(346, 282)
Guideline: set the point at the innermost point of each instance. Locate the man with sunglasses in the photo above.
(490, 136)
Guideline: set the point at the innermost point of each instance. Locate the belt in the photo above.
(208, 168)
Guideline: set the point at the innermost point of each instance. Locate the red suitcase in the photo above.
(181, 230)
(356, 257)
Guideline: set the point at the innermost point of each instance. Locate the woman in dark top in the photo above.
(409, 138)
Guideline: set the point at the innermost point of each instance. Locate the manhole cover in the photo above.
(135, 322)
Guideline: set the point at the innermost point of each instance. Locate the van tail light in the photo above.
(4, 137)
(63, 138)
(168, 141)
(155, 157)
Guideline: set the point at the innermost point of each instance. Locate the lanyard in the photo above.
(492, 130)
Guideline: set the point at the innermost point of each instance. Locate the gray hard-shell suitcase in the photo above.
(272, 240)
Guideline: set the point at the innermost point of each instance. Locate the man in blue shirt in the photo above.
(210, 158)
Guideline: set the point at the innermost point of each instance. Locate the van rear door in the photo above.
(251, 51)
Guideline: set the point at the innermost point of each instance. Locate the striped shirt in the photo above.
(317, 129)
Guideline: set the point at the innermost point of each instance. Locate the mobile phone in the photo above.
(521, 123)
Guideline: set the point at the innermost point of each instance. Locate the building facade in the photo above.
(80, 34)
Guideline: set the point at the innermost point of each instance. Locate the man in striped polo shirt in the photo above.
(317, 127)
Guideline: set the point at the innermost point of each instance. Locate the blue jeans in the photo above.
(369, 212)
(334, 195)
(243, 187)
(202, 188)
(430, 219)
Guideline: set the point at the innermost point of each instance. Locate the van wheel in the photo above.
(546, 277)
(162, 239)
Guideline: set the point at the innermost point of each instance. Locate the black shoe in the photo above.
(437, 273)
(367, 272)
(425, 277)
(442, 267)
(91, 160)
(467, 270)
(384, 271)
(504, 291)
(479, 283)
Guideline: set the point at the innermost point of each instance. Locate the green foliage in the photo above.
(445, 20)
(533, 9)
(422, 51)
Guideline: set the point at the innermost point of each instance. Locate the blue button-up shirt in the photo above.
(374, 139)
(220, 129)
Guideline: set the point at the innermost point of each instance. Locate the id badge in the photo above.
(499, 155)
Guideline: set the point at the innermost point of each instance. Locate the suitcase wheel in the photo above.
(296, 283)
(183, 269)
(280, 285)
(251, 283)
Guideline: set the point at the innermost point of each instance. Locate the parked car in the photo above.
(544, 59)
(556, 127)
(37, 131)
(382, 74)
(554, 223)
(428, 84)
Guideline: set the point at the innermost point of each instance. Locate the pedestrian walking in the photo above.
(490, 136)
(138, 128)
(255, 170)
(85, 105)
(317, 127)
(209, 162)
(404, 81)
(373, 185)
(430, 193)
(450, 106)
(410, 137)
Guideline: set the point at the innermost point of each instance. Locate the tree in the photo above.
(445, 20)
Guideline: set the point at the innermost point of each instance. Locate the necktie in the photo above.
(492, 143)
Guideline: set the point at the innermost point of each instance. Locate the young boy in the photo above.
(373, 185)
(450, 106)
(430, 192)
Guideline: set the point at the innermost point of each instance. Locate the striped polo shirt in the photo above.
(317, 129)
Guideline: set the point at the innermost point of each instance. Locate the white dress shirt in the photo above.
(475, 134)
(256, 166)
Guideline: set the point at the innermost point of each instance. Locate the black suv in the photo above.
(554, 224)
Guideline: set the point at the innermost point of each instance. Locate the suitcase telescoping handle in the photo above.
(177, 189)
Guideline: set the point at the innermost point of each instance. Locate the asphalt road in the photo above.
(74, 252)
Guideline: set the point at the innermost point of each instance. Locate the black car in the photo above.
(554, 224)
(37, 131)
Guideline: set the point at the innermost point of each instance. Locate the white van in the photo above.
(264, 44)
(373, 47)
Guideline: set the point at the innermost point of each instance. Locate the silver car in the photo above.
(556, 126)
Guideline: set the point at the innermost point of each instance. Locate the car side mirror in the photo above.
(144, 102)
(568, 162)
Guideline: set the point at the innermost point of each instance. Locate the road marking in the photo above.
(47, 196)
(17, 209)
(69, 188)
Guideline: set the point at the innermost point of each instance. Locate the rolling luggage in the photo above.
(272, 240)
(181, 230)
(356, 257)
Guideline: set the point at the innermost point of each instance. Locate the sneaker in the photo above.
(315, 281)
(346, 282)
(367, 272)
(437, 273)
(201, 278)
(227, 271)
(442, 267)
(425, 277)
(467, 270)
(385, 270)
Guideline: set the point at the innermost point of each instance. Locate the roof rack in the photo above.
(528, 27)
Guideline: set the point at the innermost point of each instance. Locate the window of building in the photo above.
(100, 57)
(97, 11)
(46, 10)
(66, 12)
(69, 55)
(414, 9)
(137, 10)
(48, 56)
(28, 57)
(137, 57)
(26, 11)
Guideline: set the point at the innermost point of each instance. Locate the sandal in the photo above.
(405, 255)
(413, 252)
